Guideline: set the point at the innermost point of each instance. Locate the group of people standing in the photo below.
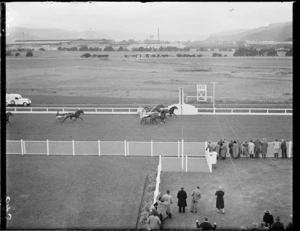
(252, 149)
(161, 209)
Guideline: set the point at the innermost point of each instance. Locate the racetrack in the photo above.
(128, 127)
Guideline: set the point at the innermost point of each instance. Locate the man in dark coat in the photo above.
(220, 200)
(206, 225)
(277, 225)
(257, 148)
(268, 219)
(283, 149)
(182, 196)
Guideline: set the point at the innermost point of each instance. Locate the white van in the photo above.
(16, 99)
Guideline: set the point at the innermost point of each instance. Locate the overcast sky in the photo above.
(182, 19)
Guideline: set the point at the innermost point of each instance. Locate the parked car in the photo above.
(16, 99)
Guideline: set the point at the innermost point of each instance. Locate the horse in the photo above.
(171, 111)
(75, 114)
(161, 115)
(8, 114)
(157, 108)
(61, 116)
(142, 111)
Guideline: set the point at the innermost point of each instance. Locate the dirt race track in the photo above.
(128, 127)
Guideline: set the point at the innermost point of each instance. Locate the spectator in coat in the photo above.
(268, 219)
(220, 200)
(245, 148)
(162, 209)
(196, 195)
(251, 149)
(283, 149)
(168, 198)
(217, 149)
(182, 196)
(276, 146)
(264, 148)
(230, 146)
(235, 150)
(240, 148)
(223, 151)
(210, 146)
(153, 222)
(257, 148)
(206, 225)
(277, 225)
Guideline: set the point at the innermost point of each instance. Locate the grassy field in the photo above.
(76, 192)
(251, 186)
(240, 79)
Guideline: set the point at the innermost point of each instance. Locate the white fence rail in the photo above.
(122, 111)
(124, 148)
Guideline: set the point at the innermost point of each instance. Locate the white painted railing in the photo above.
(156, 192)
(107, 110)
(124, 148)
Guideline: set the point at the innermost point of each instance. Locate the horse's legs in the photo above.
(80, 118)
(175, 115)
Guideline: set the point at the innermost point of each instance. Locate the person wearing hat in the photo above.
(277, 225)
(206, 225)
(220, 200)
(196, 195)
(268, 218)
(181, 195)
(210, 146)
(153, 222)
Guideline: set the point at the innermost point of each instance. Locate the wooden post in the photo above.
(151, 148)
(99, 150)
(22, 147)
(290, 149)
(178, 148)
(47, 147)
(73, 145)
(126, 148)
(186, 163)
(182, 167)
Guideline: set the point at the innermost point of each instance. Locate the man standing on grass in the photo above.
(251, 149)
(168, 198)
(264, 148)
(283, 149)
(181, 195)
(257, 148)
(223, 150)
(196, 195)
(276, 147)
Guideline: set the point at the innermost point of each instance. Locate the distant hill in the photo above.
(272, 32)
(21, 33)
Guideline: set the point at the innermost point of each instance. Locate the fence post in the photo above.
(151, 148)
(126, 147)
(178, 148)
(47, 147)
(99, 150)
(73, 145)
(186, 163)
(22, 147)
(182, 167)
(290, 149)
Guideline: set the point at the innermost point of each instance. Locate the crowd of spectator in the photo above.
(252, 149)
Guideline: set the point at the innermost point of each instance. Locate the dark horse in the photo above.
(8, 114)
(157, 108)
(161, 116)
(171, 111)
(76, 115)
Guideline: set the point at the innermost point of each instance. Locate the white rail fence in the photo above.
(121, 111)
(124, 148)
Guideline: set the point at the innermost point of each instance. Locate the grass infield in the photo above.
(251, 186)
(59, 192)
